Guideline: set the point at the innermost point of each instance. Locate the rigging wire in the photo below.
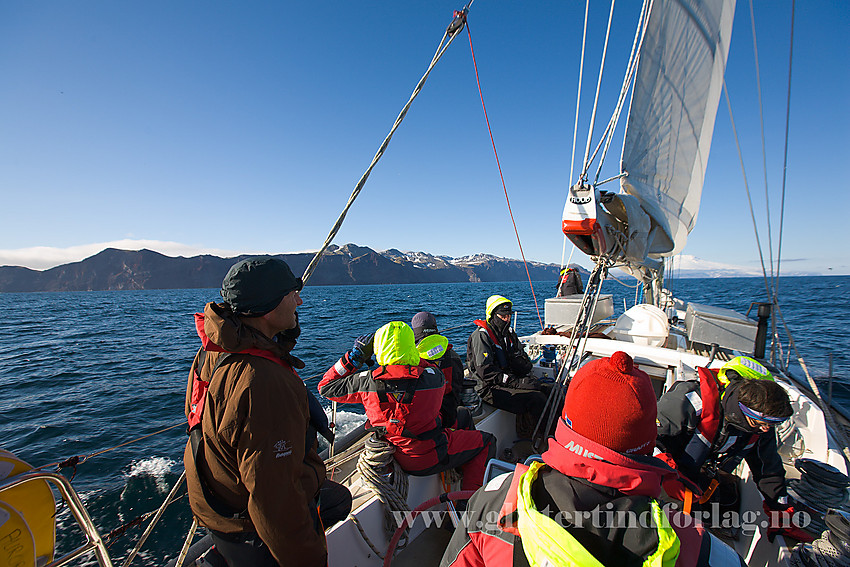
(784, 172)
(578, 94)
(637, 43)
(451, 33)
(763, 148)
(746, 186)
(502, 177)
(586, 164)
(575, 123)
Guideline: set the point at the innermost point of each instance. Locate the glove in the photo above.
(781, 522)
(362, 350)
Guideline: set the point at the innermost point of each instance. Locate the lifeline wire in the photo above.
(80, 459)
(502, 177)
(451, 33)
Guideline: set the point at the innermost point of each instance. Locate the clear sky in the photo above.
(243, 127)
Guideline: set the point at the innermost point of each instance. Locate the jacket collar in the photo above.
(220, 330)
(578, 456)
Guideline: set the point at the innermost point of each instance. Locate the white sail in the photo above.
(671, 118)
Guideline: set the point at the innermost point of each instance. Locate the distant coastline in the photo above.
(114, 269)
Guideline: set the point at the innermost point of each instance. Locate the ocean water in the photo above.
(84, 372)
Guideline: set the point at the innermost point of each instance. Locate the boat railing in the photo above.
(93, 541)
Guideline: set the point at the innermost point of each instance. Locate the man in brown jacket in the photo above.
(254, 476)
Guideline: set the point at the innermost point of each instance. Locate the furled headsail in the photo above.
(675, 95)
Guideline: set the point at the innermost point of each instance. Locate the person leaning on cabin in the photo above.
(593, 498)
(257, 481)
(570, 282)
(497, 358)
(435, 347)
(403, 395)
(707, 427)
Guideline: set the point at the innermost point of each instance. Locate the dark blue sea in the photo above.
(83, 372)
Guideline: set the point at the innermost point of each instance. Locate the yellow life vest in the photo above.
(746, 367)
(433, 347)
(546, 543)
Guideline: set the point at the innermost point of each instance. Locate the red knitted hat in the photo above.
(612, 402)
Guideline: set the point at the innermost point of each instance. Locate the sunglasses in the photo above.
(760, 418)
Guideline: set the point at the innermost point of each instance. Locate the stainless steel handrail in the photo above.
(94, 543)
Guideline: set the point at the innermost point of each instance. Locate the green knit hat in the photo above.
(256, 285)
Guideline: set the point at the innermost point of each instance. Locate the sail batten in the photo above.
(671, 118)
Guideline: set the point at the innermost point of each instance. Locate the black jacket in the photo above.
(678, 416)
(499, 362)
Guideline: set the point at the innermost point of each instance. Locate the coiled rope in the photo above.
(380, 472)
(831, 550)
(820, 553)
(457, 24)
(820, 487)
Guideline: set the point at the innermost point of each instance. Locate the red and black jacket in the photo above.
(497, 359)
(698, 428)
(582, 476)
(404, 399)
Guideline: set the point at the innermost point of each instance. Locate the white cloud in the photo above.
(43, 257)
(686, 265)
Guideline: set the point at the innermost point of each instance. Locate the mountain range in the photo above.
(114, 269)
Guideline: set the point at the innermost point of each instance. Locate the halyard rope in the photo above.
(502, 177)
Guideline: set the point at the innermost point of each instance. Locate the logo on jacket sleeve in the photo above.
(282, 449)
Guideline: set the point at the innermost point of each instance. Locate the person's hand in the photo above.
(362, 349)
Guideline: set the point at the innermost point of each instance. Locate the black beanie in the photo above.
(257, 285)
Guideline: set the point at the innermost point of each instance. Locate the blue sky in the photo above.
(231, 128)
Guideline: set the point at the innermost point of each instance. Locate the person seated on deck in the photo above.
(707, 427)
(434, 347)
(570, 282)
(497, 358)
(254, 477)
(403, 395)
(593, 500)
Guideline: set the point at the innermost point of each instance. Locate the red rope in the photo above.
(498, 163)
